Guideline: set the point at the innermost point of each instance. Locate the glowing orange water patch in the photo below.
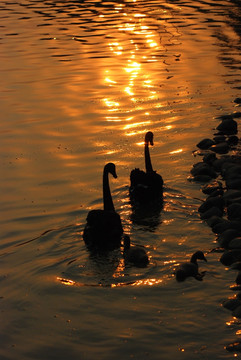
(110, 103)
(67, 282)
(109, 152)
(120, 269)
(230, 323)
(110, 81)
(129, 91)
(176, 151)
(149, 282)
(151, 43)
(139, 15)
(132, 67)
(112, 119)
(129, 126)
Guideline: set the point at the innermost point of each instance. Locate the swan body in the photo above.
(135, 254)
(103, 230)
(146, 186)
(191, 268)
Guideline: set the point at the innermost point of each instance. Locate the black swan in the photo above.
(134, 254)
(146, 186)
(103, 230)
(191, 268)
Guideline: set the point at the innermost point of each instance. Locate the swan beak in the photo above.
(151, 142)
(115, 175)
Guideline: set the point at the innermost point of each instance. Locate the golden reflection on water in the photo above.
(134, 78)
(145, 282)
(178, 151)
(135, 125)
(118, 273)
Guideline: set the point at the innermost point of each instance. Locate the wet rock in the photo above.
(237, 312)
(202, 168)
(209, 158)
(214, 220)
(219, 138)
(234, 183)
(202, 178)
(234, 211)
(236, 115)
(235, 346)
(237, 100)
(222, 226)
(235, 287)
(217, 193)
(236, 200)
(214, 201)
(225, 117)
(213, 211)
(218, 164)
(225, 237)
(237, 266)
(231, 304)
(212, 187)
(205, 144)
(220, 148)
(228, 126)
(238, 278)
(235, 243)
(230, 195)
(233, 140)
(230, 257)
(231, 171)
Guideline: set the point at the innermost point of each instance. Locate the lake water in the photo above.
(81, 83)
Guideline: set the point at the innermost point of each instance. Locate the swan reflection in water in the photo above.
(146, 191)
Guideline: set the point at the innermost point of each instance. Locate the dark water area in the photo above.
(81, 84)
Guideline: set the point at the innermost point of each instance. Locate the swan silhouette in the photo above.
(146, 186)
(103, 230)
(191, 269)
(134, 254)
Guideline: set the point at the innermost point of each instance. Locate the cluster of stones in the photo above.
(220, 170)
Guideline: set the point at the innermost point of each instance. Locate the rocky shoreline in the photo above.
(219, 174)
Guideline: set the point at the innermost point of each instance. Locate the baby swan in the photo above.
(134, 254)
(191, 268)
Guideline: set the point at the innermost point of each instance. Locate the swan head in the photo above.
(198, 255)
(110, 168)
(149, 138)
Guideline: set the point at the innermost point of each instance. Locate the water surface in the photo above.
(81, 83)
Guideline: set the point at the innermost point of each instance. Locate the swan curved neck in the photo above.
(108, 203)
(194, 259)
(148, 158)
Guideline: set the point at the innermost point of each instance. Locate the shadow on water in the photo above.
(149, 217)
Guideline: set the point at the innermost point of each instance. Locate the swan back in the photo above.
(190, 268)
